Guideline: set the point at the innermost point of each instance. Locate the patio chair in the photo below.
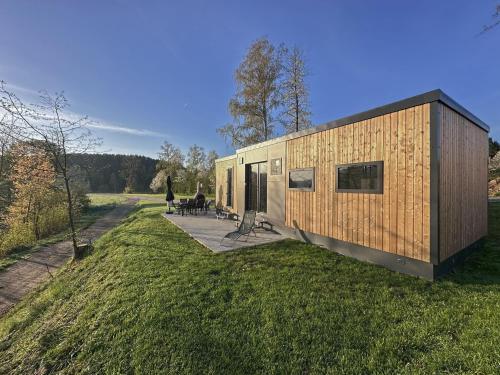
(221, 213)
(185, 206)
(199, 204)
(191, 205)
(207, 205)
(180, 206)
(246, 226)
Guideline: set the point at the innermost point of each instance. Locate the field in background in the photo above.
(112, 197)
(151, 299)
(106, 199)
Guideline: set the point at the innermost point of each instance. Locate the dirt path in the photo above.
(26, 274)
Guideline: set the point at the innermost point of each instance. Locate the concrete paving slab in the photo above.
(208, 230)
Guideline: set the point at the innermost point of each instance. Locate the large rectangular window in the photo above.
(229, 188)
(360, 178)
(302, 179)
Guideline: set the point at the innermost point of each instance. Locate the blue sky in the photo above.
(151, 71)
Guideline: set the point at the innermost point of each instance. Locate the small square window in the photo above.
(301, 179)
(275, 166)
(360, 178)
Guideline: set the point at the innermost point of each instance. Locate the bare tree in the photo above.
(51, 126)
(171, 159)
(257, 96)
(495, 21)
(170, 163)
(6, 131)
(195, 162)
(295, 95)
(209, 171)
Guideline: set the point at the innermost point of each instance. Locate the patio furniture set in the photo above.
(248, 224)
(192, 206)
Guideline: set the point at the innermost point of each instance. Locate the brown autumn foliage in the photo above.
(33, 179)
(37, 208)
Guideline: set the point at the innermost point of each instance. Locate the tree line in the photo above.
(186, 171)
(111, 173)
(271, 97)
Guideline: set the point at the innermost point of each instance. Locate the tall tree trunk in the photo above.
(28, 211)
(70, 213)
(2, 157)
(296, 112)
(36, 222)
(264, 112)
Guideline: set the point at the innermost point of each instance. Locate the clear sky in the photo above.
(151, 71)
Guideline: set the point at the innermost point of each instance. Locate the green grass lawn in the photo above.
(162, 196)
(119, 197)
(152, 300)
(97, 199)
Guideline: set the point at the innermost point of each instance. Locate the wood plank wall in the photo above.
(397, 221)
(221, 182)
(463, 198)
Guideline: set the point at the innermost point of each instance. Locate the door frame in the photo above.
(248, 184)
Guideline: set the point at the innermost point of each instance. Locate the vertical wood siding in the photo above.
(221, 183)
(463, 197)
(396, 221)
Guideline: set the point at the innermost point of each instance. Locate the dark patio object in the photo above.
(246, 226)
(223, 214)
(199, 204)
(266, 225)
(220, 213)
(170, 194)
(208, 203)
(188, 207)
(184, 206)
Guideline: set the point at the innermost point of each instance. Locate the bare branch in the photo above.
(47, 125)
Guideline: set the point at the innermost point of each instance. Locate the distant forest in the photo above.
(108, 173)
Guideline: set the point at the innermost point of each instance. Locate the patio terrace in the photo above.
(208, 230)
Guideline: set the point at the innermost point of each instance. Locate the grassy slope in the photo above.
(99, 206)
(150, 299)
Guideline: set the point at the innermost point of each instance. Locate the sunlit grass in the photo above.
(152, 300)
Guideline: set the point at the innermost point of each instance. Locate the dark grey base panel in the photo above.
(458, 259)
(391, 261)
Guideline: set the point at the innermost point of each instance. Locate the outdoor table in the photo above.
(182, 207)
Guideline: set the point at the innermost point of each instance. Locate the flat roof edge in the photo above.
(445, 99)
(225, 158)
(428, 97)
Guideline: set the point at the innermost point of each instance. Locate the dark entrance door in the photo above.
(256, 187)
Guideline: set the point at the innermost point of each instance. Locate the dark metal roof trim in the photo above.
(428, 97)
(445, 99)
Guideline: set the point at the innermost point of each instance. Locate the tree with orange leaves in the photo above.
(33, 178)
